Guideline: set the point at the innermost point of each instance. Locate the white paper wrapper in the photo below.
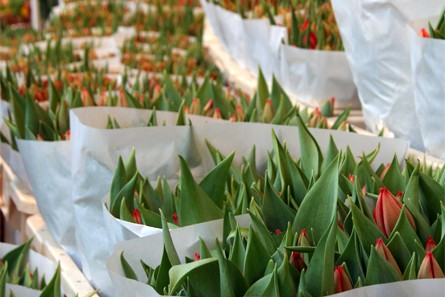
(314, 76)
(20, 291)
(96, 151)
(234, 39)
(48, 165)
(212, 18)
(156, 148)
(263, 43)
(46, 267)
(149, 249)
(119, 230)
(428, 62)
(186, 241)
(375, 36)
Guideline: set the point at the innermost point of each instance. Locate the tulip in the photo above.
(383, 250)
(296, 260)
(197, 257)
(382, 175)
(208, 108)
(342, 282)
(137, 216)
(303, 239)
(239, 112)
(430, 268)
(217, 114)
(387, 212)
(195, 107)
(175, 218)
(430, 244)
(268, 112)
(424, 33)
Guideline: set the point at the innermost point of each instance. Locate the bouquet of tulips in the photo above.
(352, 227)
(19, 266)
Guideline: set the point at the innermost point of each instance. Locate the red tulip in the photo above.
(297, 261)
(424, 33)
(430, 268)
(387, 212)
(303, 239)
(342, 282)
(175, 218)
(383, 250)
(430, 244)
(137, 216)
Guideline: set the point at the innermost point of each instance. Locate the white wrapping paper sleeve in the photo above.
(149, 249)
(20, 291)
(119, 230)
(15, 162)
(95, 154)
(428, 62)
(48, 165)
(212, 18)
(375, 37)
(314, 76)
(45, 266)
(234, 39)
(263, 43)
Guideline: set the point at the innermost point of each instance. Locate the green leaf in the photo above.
(162, 273)
(276, 213)
(433, 194)
(393, 178)
(266, 286)
(125, 213)
(119, 180)
(238, 250)
(319, 206)
(399, 250)
(322, 264)
(150, 218)
(3, 276)
(205, 272)
(311, 157)
(411, 269)
(367, 230)
(262, 232)
(214, 183)
(407, 233)
(380, 271)
(232, 282)
(287, 276)
(53, 288)
(16, 260)
(168, 243)
(351, 257)
(127, 192)
(256, 260)
(181, 120)
(330, 155)
(171, 92)
(194, 205)
(130, 165)
(278, 96)
(128, 271)
(262, 90)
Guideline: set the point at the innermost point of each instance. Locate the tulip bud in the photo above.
(67, 135)
(424, 33)
(383, 250)
(351, 178)
(342, 282)
(232, 118)
(240, 112)
(122, 101)
(430, 268)
(195, 107)
(86, 98)
(217, 114)
(303, 239)
(208, 108)
(175, 218)
(197, 257)
(382, 175)
(137, 216)
(268, 112)
(387, 212)
(430, 244)
(297, 261)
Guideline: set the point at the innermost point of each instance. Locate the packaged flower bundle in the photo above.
(15, 12)
(26, 273)
(88, 19)
(297, 42)
(158, 148)
(354, 227)
(165, 18)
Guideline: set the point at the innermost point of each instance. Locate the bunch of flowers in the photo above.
(15, 270)
(320, 225)
(14, 12)
(438, 32)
